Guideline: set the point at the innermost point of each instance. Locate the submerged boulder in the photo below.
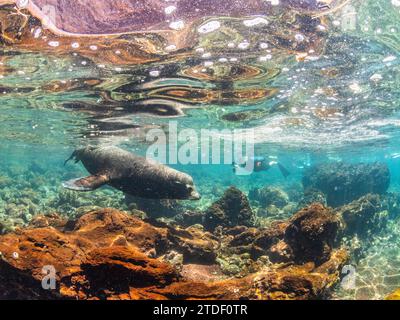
(154, 208)
(309, 236)
(364, 217)
(189, 218)
(267, 196)
(108, 254)
(344, 182)
(233, 209)
(196, 245)
(301, 282)
(311, 233)
(310, 196)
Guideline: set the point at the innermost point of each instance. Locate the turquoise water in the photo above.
(335, 101)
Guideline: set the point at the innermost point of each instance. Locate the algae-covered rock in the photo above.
(108, 254)
(310, 196)
(232, 209)
(189, 217)
(344, 182)
(196, 245)
(311, 233)
(301, 282)
(268, 196)
(155, 208)
(365, 217)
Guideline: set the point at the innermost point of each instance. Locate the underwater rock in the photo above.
(309, 236)
(237, 265)
(105, 267)
(5, 181)
(48, 220)
(100, 249)
(311, 233)
(344, 182)
(232, 209)
(107, 254)
(6, 226)
(301, 282)
(364, 217)
(296, 282)
(268, 196)
(189, 218)
(256, 242)
(196, 245)
(154, 208)
(310, 196)
(391, 202)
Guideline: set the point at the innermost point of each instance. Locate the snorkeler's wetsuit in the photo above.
(262, 164)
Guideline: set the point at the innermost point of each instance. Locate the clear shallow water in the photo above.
(312, 91)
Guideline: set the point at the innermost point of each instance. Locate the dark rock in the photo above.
(154, 208)
(311, 234)
(233, 209)
(343, 182)
(364, 217)
(391, 201)
(271, 235)
(258, 242)
(310, 196)
(189, 218)
(268, 196)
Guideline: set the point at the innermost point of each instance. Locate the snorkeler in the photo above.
(261, 164)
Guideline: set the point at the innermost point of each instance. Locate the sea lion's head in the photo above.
(193, 193)
(185, 189)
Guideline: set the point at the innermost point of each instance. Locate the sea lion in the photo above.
(131, 174)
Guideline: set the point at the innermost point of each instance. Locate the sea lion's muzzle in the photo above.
(195, 195)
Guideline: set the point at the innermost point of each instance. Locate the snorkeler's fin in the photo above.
(86, 183)
(283, 170)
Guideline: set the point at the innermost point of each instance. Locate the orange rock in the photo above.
(105, 254)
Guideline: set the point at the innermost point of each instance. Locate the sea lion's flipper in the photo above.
(73, 155)
(86, 183)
